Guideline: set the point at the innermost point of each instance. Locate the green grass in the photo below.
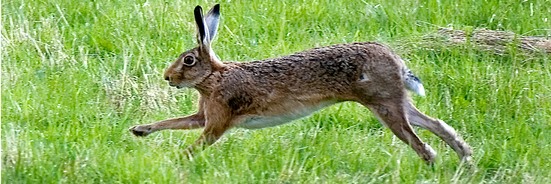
(77, 74)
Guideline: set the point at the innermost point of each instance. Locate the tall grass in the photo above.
(77, 74)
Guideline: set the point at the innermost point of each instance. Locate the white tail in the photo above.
(413, 83)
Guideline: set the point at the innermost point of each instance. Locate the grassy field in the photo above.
(77, 74)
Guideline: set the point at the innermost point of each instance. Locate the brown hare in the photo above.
(275, 91)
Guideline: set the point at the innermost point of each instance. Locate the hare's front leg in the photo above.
(189, 122)
(196, 120)
(218, 120)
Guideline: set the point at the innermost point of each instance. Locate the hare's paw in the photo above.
(141, 130)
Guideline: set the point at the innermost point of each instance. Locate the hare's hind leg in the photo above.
(441, 129)
(392, 114)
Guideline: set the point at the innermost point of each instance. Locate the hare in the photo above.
(275, 91)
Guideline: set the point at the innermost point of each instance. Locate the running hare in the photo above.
(275, 91)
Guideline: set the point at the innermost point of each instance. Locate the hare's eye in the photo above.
(189, 61)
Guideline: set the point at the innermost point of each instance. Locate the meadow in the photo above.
(77, 74)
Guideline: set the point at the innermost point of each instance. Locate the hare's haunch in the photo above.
(271, 92)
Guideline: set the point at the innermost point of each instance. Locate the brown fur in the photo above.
(274, 91)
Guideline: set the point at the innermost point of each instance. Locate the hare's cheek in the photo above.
(192, 74)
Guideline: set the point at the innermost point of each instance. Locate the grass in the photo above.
(77, 74)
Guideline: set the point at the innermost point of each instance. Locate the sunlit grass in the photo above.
(77, 74)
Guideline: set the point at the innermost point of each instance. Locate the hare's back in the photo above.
(326, 74)
(334, 66)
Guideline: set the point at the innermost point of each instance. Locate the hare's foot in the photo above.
(141, 130)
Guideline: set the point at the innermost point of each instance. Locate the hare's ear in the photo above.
(211, 20)
(204, 35)
(202, 30)
(207, 27)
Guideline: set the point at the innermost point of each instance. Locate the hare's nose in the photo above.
(167, 78)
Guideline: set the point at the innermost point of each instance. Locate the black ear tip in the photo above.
(216, 8)
(198, 12)
(198, 8)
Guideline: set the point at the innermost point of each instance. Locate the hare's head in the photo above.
(193, 66)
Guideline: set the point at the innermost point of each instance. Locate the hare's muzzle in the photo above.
(170, 83)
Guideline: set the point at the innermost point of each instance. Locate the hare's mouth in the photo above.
(175, 85)
(179, 86)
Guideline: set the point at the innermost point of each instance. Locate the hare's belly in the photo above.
(296, 112)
